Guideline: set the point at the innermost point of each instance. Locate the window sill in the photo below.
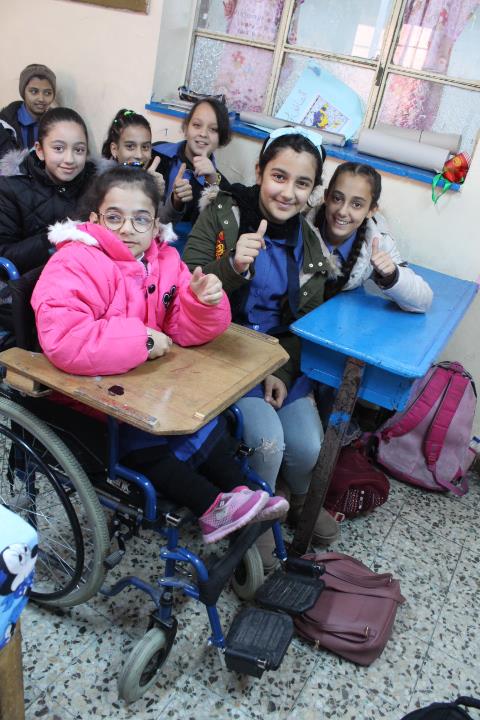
(348, 152)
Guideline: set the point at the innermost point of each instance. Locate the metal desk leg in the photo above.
(322, 473)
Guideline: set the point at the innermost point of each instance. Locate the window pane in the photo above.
(442, 36)
(294, 67)
(349, 27)
(241, 72)
(254, 19)
(425, 105)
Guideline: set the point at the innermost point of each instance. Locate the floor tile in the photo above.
(188, 700)
(45, 709)
(444, 515)
(51, 640)
(432, 559)
(271, 696)
(444, 678)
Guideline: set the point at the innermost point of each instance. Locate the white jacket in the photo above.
(410, 291)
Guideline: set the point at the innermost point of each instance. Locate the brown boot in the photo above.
(266, 545)
(326, 528)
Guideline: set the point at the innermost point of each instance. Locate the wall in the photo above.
(105, 59)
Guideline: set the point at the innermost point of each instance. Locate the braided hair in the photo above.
(123, 119)
(374, 179)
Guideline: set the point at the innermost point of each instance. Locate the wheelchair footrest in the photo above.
(290, 592)
(257, 641)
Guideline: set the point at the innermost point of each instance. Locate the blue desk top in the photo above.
(371, 328)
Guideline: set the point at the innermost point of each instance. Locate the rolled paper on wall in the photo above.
(272, 123)
(449, 141)
(418, 154)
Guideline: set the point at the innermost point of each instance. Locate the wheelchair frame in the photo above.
(35, 451)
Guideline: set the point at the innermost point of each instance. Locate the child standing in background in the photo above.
(189, 166)
(37, 86)
(357, 243)
(113, 296)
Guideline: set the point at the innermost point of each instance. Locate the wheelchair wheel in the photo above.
(41, 480)
(143, 664)
(248, 575)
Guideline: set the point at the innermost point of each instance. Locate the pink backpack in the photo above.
(428, 443)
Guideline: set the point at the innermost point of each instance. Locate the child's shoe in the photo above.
(231, 511)
(275, 507)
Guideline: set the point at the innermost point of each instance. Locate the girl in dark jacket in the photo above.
(40, 187)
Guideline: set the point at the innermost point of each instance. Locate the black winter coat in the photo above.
(29, 202)
(9, 114)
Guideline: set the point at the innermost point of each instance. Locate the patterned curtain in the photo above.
(414, 103)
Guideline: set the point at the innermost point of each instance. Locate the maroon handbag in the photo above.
(356, 486)
(354, 615)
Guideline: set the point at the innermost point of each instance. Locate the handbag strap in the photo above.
(353, 632)
(375, 581)
(421, 406)
(468, 701)
(437, 431)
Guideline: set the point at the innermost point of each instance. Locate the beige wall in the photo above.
(105, 59)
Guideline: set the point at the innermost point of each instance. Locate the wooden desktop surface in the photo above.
(173, 395)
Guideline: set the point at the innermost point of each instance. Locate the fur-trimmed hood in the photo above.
(11, 161)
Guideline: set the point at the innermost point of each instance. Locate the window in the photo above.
(410, 63)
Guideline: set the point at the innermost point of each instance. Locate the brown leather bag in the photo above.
(354, 615)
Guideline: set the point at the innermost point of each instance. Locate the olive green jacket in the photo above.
(211, 245)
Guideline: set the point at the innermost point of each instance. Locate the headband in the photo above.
(313, 137)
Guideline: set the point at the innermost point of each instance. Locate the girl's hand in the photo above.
(248, 247)
(162, 344)
(204, 166)
(381, 260)
(275, 391)
(207, 288)
(182, 190)
(158, 177)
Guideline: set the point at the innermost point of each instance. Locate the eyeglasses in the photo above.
(115, 221)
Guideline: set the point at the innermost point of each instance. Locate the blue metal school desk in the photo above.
(366, 346)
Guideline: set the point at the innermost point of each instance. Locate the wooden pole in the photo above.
(12, 705)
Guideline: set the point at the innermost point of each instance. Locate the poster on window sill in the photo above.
(320, 100)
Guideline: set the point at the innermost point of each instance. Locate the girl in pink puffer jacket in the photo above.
(113, 296)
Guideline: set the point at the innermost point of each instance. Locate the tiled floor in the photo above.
(431, 542)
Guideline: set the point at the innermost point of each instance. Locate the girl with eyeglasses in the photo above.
(115, 295)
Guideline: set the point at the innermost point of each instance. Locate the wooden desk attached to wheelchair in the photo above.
(364, 345)
(174, 395)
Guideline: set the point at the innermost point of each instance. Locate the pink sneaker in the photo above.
(275, 506)
(231, 511)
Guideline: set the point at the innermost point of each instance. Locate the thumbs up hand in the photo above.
(381, 260)
(204, 166)
(182, 190)
(207, 288)
(248, 248)
(158, 177)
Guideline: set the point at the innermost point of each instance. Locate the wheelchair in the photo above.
(62, 473)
